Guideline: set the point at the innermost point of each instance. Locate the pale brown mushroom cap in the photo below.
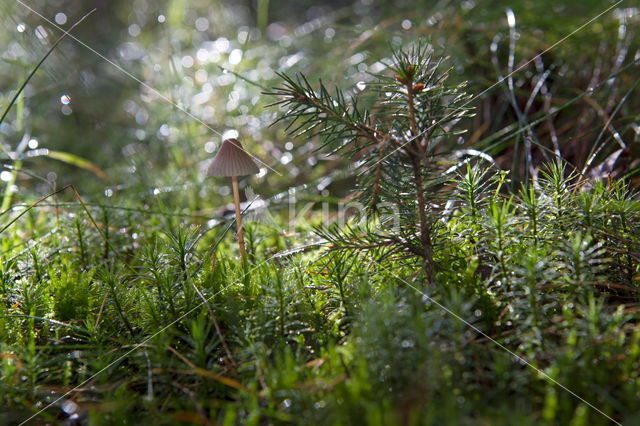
(232, 160)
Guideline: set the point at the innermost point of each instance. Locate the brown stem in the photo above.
(236, 200)
(412, 110)
(425, 237)
(378, 174)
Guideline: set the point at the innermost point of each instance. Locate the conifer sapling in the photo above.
(401, 140)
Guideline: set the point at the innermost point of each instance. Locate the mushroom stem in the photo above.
(236, 199)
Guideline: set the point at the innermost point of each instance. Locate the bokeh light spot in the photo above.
(228, 134)
(210, 147)
(202, 24)
(60, 18)
(235, 56)
(134, 30)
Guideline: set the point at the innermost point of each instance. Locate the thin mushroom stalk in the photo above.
(233, 161)
(236, 200)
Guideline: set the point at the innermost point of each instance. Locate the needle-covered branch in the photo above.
(396, 141)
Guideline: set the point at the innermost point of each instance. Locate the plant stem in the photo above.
(425, 237)
(240, 232)
(83, 259)
(263, 14)
(412, 113)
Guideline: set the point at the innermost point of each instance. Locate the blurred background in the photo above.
(85, 121)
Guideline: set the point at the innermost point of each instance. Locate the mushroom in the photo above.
(233, 161)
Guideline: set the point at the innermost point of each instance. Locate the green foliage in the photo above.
(134, 308)
(396, 141)
(339, 336)
(71, 292)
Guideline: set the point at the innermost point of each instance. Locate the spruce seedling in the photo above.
(233, 161)
(400, 143)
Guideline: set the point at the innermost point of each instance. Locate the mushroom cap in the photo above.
(232, 160)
